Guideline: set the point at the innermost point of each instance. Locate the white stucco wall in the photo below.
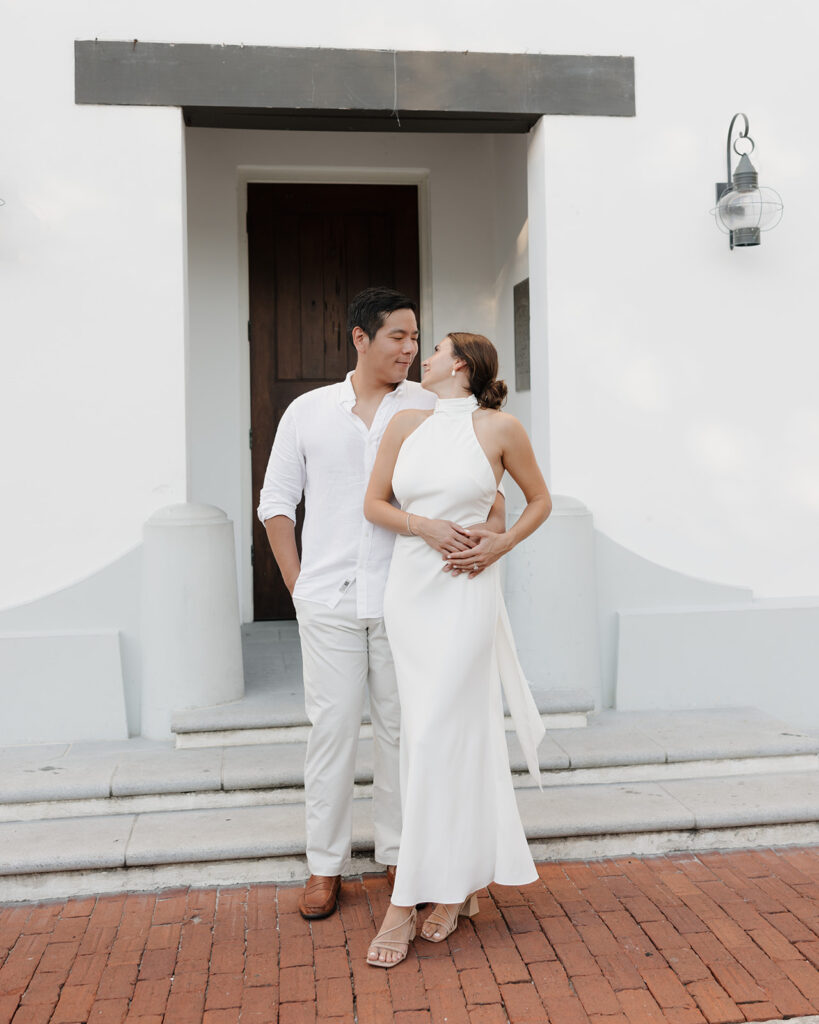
(683, 408)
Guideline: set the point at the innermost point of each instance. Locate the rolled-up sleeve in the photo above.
(285, 476)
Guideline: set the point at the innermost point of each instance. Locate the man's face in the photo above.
(390, 353)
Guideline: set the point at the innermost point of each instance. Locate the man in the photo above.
(325, 447)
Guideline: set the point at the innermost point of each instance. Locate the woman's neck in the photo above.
(452, 387)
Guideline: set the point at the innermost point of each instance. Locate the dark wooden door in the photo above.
(310, 249)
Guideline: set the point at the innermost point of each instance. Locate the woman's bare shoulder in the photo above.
(403, 423)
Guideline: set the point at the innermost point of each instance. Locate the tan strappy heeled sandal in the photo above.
(393, 945)
(446, 921)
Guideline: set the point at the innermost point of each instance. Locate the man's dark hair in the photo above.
(370, 308)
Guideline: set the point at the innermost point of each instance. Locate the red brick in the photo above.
(36, 1013)
(225, 991)
(262, 940)
(108, 1011)
(259, 1005)
(479, 986)
(156, 964)
(761, 968)
(117, 982)
(506, 964)
(331, 963)
(492, 1014)
(447, 1004)
(44, 987)
(261, 970)
(59, 956)
(150, 997)
(598, 939)
(559, 929)
(738, 983)
(759, 1011)
(334, 997)
(788, 999)
(543, 904)
(534, 946)
(226, 1016)
(620, 923)
(620, 971)
(296, 952)
(640, 1007)
(438, 973)
(775, 945)
(75, 1004)
(810, 950)
(805, 977)
(466, 949)
(715, 1005)
(374, 1007)
(227, 957)
(170, 909)
(596, 995)
(522, 1003)
(8, 1004)
(666, 987)
(665, 936)
(641, 909)
(685, 920)
(709, 949)
(575, 958)
(683, 1015)
(406, 986)
(328, 932)
(295, 983)
(69, 929)
(163, 936)
(520, 919)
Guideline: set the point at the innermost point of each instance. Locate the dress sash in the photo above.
(525, 715)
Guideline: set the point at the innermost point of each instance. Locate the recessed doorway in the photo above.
(311, 247)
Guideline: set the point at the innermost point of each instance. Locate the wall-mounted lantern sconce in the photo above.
(744, 208)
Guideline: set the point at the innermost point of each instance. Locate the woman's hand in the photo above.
(442, 535)
(489, 548)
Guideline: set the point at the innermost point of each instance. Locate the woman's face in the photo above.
(439, 365)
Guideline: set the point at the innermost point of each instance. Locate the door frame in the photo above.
(310, 175)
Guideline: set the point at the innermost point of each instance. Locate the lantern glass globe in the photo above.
(749, 208)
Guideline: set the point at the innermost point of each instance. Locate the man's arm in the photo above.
(281, 493)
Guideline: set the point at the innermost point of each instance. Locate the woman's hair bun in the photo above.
(493, 394)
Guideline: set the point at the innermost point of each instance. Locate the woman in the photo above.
(451, 642)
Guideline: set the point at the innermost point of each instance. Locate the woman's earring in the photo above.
(453, 372)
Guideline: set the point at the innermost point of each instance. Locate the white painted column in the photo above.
(551, 587)
(191, 633)
(538, 333)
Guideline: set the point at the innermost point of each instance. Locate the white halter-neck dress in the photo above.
(453, 650)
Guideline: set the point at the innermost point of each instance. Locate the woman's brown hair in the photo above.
(481, 358)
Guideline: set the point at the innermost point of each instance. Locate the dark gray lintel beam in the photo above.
(358, 121)
(297, 80)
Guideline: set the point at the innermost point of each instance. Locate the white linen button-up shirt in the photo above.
(325, 451)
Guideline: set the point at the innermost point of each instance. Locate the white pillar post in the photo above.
(191, 633)
(538, 333)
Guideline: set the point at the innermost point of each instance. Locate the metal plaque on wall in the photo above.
(521, 304)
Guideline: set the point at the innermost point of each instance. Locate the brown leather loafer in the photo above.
(319, 897)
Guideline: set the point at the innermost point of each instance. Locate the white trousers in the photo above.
(342, 656)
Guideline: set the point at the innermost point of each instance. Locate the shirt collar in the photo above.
(347, 396)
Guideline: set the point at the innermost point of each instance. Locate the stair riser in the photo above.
(63, 884)
(300, 733)
(216, 799)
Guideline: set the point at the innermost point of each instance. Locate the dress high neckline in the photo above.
(457, 406)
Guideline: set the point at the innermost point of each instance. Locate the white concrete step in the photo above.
(44, 859)
(140, 777)
(272, 709)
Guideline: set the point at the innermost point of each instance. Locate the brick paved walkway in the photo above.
(678, 939)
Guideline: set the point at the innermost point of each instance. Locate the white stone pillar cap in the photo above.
(185, 514)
